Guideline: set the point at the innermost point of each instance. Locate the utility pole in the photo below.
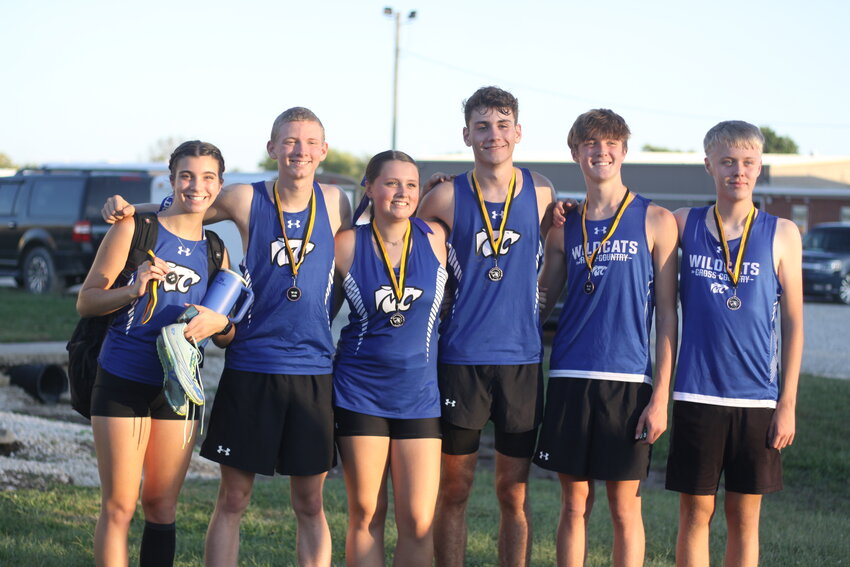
(395, 14)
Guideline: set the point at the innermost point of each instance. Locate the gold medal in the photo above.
(734, 303)
(589, 286)
(495, 273)
(396, 319)
(294, 292)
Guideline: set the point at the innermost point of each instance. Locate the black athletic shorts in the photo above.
(589, 429)
(114, 396)
(509, 395)
(349, 423)
(263, 423)
(461, 441)
(709, 440)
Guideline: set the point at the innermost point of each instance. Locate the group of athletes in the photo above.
(446, 295)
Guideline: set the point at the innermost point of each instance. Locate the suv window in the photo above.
(135, 189)
(8, 192)
(828, 240)
(56, 198)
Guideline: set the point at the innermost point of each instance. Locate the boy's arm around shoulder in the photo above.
(438, 205)
(339, 207)
(553, 275)
(437, 239)
(663, 238)
(788, 256)
(344, 245)
(545, 194)
(681, 216)
(96, 296)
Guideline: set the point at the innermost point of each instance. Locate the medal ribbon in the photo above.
(589, 260)
(296, 265)
(398, 284)
(735, 273)
(494, 243)
(152, 287)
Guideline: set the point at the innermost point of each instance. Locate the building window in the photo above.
(845, 214)
(800, 216)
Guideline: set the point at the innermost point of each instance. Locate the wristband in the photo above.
(226, 328)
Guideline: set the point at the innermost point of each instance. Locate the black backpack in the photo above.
(87, 338)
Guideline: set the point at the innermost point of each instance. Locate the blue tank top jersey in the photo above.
(605, 335)
(279, 336)
(129, 349)
(493, 322)
(381, 370)
(728, 358)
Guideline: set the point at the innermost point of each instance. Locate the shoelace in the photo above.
(187, 438)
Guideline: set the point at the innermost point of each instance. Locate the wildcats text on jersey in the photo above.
(708, 267)
(609, 251)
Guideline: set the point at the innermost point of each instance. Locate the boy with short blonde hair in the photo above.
(735, 391)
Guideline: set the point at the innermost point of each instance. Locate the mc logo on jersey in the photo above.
(278, 250)
(718, 287)
(180, 278)
(483, 247)
(385, 300)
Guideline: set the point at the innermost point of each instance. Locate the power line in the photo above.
(648, 110)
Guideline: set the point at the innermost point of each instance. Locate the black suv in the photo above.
(50, 223)
(826, 261)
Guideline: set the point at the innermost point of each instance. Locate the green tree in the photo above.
(338, 161)
(6, 162)
(654, 148)
(776, 144)
(162, 148)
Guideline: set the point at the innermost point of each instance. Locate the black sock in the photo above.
(158, 544)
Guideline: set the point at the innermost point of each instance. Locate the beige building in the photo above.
(806, 189)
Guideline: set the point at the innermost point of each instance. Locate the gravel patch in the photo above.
(50, 444)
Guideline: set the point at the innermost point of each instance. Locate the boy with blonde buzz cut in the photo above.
(616, 252)
(735, 391)
(273, 410)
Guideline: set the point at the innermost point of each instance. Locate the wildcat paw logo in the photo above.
(482, 243)
(179, 278)
(385, 300)
(718, 287)
(278, 250)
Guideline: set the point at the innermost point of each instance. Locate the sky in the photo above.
(98, 80)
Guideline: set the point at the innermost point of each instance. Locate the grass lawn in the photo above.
(807, 524)
(46, 317)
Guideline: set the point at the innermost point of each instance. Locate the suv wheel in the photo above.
(39, 272)
(844, 290)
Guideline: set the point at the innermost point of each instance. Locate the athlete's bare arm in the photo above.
(339, 208)
(681, 216)
(438, 241)
(554, 272)
(439, 205)
(545, 198)
(344, 244)
(663, 238)
(787, 253)
(233, 204)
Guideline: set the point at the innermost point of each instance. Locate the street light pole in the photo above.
(388, 11)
